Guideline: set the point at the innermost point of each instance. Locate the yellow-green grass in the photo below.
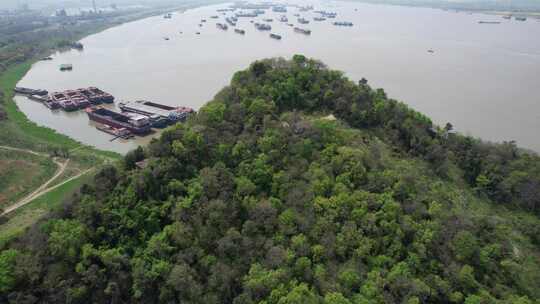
(21, 173)
(24, 217)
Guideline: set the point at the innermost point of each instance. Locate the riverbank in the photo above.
(18, 131)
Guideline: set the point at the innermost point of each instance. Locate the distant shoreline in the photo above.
(459, 7)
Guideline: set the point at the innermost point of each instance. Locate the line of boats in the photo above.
(135, 118)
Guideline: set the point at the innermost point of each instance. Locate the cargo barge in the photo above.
(79, 99)
(96, 96)
(117, 133)
(222, 26)
(27, 91)
(151, 109)
(302, 31)
(139, 126)
(64, 101)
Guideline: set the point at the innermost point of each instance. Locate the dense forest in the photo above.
(294, 185)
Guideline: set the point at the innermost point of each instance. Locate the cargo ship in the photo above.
(343, 23)
(222, 26)
(239, 31)
(263, 27)
(64, 101)
(27, 91)
(148, 108)
(66, 67)
(138, 126)
(79, 99)
(96, 96)
(302, 31)
(275, 36)
(117, 132)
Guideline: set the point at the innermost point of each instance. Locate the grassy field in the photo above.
(17, 222)
(21, 173)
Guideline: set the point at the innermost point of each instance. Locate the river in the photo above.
(483, 78)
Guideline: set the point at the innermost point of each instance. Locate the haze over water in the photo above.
(483, 78)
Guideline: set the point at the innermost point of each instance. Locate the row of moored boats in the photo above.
(135, 118)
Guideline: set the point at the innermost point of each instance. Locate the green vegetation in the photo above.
(21, 173)
(16, 223)
(262, 197)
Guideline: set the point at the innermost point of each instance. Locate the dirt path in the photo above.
(43, 188)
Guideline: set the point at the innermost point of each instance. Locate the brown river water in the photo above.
(483, 78)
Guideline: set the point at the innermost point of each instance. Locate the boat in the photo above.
(64, 101)
(268, 20)
(290, 24)
(51, 104)
(167, 16)
(166, 38)
(279, 9)
(27, 91)
(275, 36)
(302, 31)
(222, 26)
(431, 51)
(117, 132)
(343, 23)
(96, 96)
(303, 21)
(283, 18)
(198, 33)
(138, 126)
(489, 22)
(66, 67)
(79, 99)
(214, 17)
(521, 18)
(203, 20)
(239, 31)
(262, 27)
(507, 16)
(46, 58)
(230, 21)
(319, 18)
(148, 108)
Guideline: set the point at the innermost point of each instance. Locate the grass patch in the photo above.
(21, 173)
(24, 217)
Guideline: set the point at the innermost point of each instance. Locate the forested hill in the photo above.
(294, 185)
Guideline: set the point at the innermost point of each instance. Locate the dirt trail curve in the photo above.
(43, 188)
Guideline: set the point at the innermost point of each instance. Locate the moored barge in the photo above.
(64, 101)
(27, 91)
(138, 126)
(150, 109)
(302, 31)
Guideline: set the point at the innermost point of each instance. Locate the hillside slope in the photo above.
(294, 185)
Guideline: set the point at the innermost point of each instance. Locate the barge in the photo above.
(66, 67)
(117, 132)
(27, 91)
(80, 100)
(64, 101)
(150, 109)
(262, 26)
(96, 96)
(222, 26)
(139, 126)
(275, 36)
(239, 31)
(303, 21)
(302, 31)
